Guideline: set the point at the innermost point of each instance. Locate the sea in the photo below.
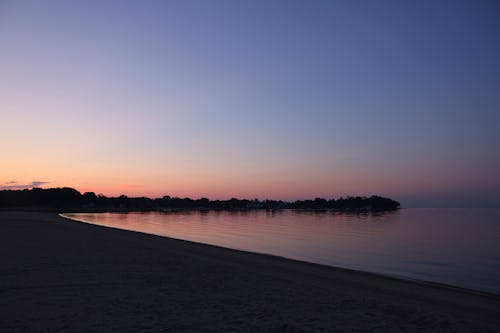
(458, 247)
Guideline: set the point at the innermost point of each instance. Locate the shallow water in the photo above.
(460, 247)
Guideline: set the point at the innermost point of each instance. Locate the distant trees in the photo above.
(372, 203)
(69, 199)
(56, 198)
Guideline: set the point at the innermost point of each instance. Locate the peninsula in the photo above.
(70, 200)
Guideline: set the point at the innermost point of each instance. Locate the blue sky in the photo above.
(282, 99)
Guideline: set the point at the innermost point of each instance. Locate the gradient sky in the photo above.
(267, 99)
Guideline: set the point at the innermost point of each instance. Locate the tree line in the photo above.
(68, 199)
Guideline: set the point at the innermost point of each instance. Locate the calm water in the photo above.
(460, 247)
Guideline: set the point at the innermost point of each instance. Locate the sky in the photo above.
(256, 99)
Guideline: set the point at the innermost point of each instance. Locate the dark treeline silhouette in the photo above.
(68, 199)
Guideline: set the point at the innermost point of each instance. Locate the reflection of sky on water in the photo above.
(453, 246)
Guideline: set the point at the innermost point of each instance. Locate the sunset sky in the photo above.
(268, 99)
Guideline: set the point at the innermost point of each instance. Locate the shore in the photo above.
(60, 275)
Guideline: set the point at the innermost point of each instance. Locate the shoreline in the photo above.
(81, 277)
(347, 269)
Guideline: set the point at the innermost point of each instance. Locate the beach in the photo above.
(61, 275)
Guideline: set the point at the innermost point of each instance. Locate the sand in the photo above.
(59, 275)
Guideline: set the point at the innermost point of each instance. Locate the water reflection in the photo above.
(452, 246)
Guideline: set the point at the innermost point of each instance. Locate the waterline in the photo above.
(450, 246)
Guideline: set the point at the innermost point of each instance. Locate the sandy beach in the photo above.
(60, 275)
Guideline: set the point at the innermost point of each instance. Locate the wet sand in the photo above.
(59, 275)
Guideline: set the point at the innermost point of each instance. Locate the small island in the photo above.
(67, 199)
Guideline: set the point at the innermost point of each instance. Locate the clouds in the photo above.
(14, 185)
